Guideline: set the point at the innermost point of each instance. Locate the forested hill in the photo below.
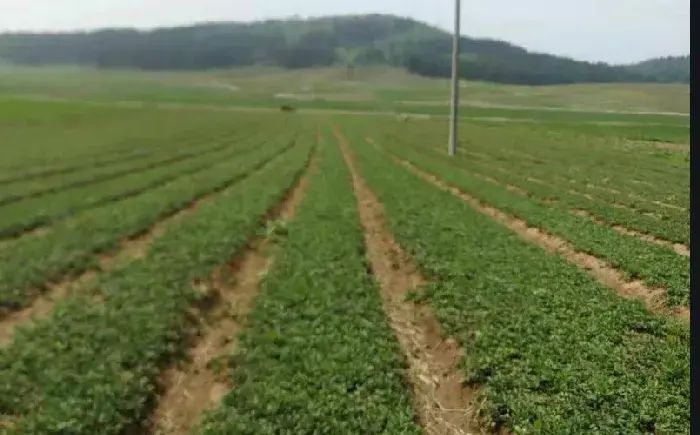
(346, 40)
(665, 69)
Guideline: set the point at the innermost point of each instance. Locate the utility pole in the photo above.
(454, 116)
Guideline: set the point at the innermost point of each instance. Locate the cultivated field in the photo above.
(185, 267)
(369, 89)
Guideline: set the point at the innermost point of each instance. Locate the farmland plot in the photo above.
(547, 347)
(238, 273)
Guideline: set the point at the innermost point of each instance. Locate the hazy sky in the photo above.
(609, 30)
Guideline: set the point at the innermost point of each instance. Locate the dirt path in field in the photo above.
(129, 249)
(653, 298)
(191, 388)
(442, 405)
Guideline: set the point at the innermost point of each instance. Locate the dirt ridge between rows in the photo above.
(129, 249)
(189, 389)
(442, 405)
(653, 298)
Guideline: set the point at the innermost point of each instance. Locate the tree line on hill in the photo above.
(348, 41)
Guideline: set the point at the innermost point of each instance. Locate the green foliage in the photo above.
(658, 266)
(92, 367)
(615, 178)
(553, 351)
(665, 69)
(372, 39)
(70, 245)
(36, 209)
(318, 355)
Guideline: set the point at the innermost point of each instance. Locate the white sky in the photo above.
(616, 31)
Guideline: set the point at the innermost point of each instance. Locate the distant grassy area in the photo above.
(377, 89)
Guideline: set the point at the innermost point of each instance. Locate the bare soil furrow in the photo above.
(192, 387)
(442, 404)
(653, 298)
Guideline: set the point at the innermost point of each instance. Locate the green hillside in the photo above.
(342, 40)
(666, 69)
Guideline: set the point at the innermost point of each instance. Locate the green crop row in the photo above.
(559, 174)
(319, 356)
(646, 217)
(657, 266)
(672, 225)
(550, 350)
(23, 216)
(105, 158)
(38, 150)
(26, 131)
(93, 367)
(69, 248)
(637, 191)
(554, 154)
(553, 174)
(180, 148)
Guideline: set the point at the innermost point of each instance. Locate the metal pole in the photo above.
(454, 116)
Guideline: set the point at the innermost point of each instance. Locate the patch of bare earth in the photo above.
(442, 404)
(653, 298)
(192, 387)
(679, 248)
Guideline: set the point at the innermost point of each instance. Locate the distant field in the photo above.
(366, 89)
(191, 265)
